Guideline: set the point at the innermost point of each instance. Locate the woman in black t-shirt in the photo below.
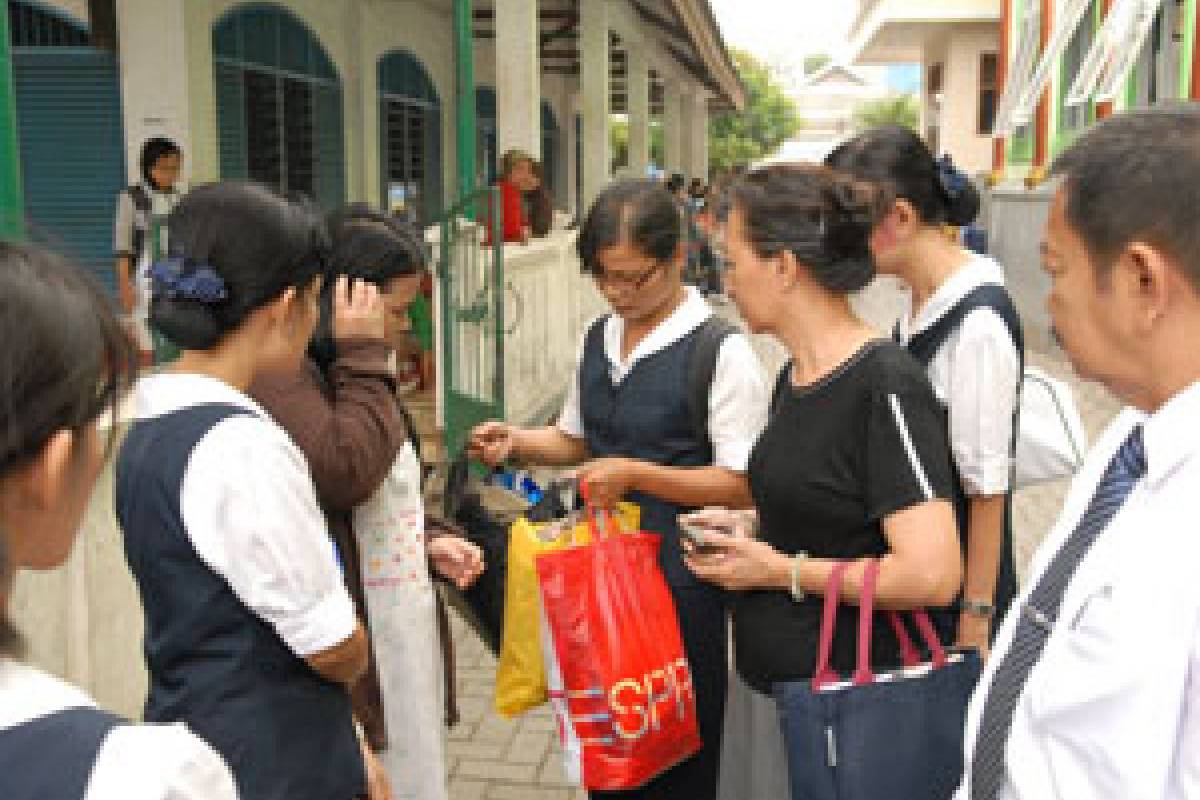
(853, 462)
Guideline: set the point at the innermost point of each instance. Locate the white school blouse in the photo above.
(251, 513)
(738, 403)
(135, 762)
(975, 375)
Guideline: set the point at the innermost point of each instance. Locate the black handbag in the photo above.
(895, 735)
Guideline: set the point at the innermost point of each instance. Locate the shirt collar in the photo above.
(154, 190)
(977, 271)
(688, 316)
(167, 392)
(1172, 434)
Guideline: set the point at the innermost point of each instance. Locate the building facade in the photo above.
(340, 100)
(957, 43)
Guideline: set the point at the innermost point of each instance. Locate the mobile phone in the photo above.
(700, 537)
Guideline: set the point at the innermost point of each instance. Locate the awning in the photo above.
(1020, 71)
(1118, 45)
(1067, 17)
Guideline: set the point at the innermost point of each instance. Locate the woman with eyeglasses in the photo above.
(630, 423)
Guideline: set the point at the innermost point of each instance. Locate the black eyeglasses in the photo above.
(634, 282)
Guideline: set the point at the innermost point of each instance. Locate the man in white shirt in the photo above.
(1093, 687)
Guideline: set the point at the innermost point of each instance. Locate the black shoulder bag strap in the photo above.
(702, 367)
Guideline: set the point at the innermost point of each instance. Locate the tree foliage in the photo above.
(618, 138)
(816, 62)
(899, 110)
(769, 119)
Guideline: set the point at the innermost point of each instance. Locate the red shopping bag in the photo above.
(626, 681)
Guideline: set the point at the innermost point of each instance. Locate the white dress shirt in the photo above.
(250, 510)
(135, 762)
(738, 400)
(975, 375)
(1111, 711)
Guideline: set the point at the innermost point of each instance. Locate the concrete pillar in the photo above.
(687, 141)
(593, 81)
(154, 78)
(672, 127)
(698, 125)
(518, 79)
(570, 141)
(637, 92)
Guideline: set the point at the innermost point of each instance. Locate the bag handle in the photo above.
(866, 618)
(908, 652)
(909, 656)
(595, 515)
(823, 675)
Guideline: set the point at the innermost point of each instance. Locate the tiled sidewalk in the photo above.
(489, 757)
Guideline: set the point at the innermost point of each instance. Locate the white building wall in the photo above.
(959, 123)
(427, 33)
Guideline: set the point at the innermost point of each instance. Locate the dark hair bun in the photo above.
(964, 207)
(898, 159)
(189, 324)
(855, 208)
(824, 218)
(257, 243)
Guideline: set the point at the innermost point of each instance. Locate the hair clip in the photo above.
(184, 279)
(950, 178)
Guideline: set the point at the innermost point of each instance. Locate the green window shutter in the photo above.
(328, 147)
(231, 121)
(72, 147)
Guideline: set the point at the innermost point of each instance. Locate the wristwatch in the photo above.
(976, 608)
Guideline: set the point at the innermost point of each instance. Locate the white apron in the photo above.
(402, 616)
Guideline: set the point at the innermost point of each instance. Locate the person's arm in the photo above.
(985, 542)
(493, 443)
(982, 374)
(610, 479)
(350, 437)
(922, 568)
(562, 444)
(906, 480)
(125, 266)
(343, 663)
(251, 513)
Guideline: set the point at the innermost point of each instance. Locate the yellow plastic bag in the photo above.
(521, 673)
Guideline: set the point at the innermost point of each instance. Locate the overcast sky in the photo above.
(782, 32)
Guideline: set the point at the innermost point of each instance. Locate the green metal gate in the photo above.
(471, 271)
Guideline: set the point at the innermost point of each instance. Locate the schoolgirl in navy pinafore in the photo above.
(286, 732)
(646, 416)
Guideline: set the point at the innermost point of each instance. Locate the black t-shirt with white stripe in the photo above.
(834, 460)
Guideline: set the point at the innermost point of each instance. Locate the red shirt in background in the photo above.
(514, 213)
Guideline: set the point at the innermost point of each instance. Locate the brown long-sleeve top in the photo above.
(350, 429)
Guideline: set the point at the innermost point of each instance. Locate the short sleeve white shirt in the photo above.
(738, 400)
(250, 510)
(135, 762)
(1111, 710)
(975, 374)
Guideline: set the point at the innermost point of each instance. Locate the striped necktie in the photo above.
(1039, 613)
